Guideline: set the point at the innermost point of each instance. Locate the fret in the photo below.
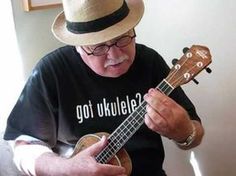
(102, 161)
(129, 129)
(112, 148)
(165, 87)
(113, 145)
(118, 139)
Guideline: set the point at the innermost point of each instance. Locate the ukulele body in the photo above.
(120, 159)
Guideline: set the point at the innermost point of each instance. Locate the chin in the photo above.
(116, 73)
(112, 74)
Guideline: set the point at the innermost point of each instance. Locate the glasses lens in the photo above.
(124, 41)
(104, 48)
(100, 50)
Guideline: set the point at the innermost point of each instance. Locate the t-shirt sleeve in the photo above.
(35, 111)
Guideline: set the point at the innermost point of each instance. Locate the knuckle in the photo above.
(164, 111)
(95, 171)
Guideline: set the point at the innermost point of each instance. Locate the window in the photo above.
(11, 71)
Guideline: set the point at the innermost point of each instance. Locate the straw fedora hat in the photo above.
(89, 22)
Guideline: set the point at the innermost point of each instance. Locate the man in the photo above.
(91, 86)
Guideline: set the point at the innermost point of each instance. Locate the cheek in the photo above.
(95, 64)
(131, 52)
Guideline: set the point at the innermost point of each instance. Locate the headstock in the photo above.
(189, 65)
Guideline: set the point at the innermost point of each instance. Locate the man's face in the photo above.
(116, 61)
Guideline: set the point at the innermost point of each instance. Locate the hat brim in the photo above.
(62, 34)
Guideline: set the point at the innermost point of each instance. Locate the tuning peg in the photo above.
(195, 81)
(174, 61)
(185, 49)
(208, 70)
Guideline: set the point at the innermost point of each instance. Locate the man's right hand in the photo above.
(82, 164)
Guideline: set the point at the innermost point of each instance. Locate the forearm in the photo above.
(34, 157)
(25, 156)
(50, 164)
(36, 160)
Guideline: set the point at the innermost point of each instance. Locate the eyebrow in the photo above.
(104, 43)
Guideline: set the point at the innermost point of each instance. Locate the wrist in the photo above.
(190, 138)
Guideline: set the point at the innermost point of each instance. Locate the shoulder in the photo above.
(58, 54)
(144, 50)
(49, 67)
(148, 56)
(56, 59)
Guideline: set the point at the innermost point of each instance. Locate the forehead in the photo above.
(127, 33)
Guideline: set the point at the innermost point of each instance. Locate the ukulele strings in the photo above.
(178, 80)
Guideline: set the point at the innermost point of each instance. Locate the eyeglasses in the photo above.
(102, 49)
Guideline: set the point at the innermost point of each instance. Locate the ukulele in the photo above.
(185, 69)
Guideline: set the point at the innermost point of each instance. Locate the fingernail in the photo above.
(103, 138)
(151, 90)
(145, 96)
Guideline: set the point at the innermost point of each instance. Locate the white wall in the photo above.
(34, 33)
(34, 40)
(168, 26)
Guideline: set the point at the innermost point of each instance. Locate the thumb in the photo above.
(97, 147)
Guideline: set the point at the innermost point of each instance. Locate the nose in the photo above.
(114, 52)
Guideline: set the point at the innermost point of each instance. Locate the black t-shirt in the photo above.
(64, 99)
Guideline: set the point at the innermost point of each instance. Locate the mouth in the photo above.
(115, 65)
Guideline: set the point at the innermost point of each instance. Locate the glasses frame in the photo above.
(111, 45)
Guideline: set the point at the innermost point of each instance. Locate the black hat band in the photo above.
(98, 24)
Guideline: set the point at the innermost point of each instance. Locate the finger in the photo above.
(156, 98)
(163, 98)
(159, 126)
(97, 147)
(161, 106)
(158, 119)
(152, 100)
(110, 170)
